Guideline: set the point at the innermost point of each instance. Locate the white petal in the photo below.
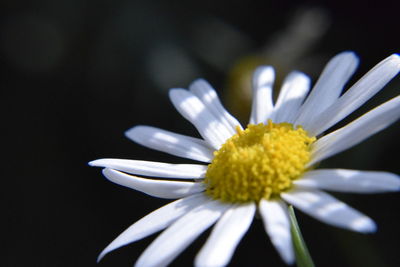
(358, 94)
(179, 235)
(192, 109)
(204, 91)
(355, 132)
(276, 222)
(262, 106)
(153, 169)
(328, 88)
(171, 143)
(154, 222)
(156, 188)
(326, 208)
(350, 181)
(294, 89)
(225, 236)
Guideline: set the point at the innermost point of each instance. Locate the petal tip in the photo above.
(349, 53)
(199, 81)
(100, 257)
(263, 76)
(395, 56)
(394, 59)
(348, 56)
(107, 172)
(95, 163)
(105, 252)
(298, 74)
(134, 131)
(289, 257)
(173, 91)
(364, 225)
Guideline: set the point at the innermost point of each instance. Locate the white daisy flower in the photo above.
(261, 168)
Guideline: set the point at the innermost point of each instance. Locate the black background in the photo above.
(76, 74)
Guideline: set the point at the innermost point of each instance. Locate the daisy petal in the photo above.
(154, 222)
(181, 234)
(204, 91)
(358, 94)
(192, 109)
(294, 90)
(327, 209)
(156, 188)
(225, 236)
(276, 222)
(355, 132)
(153, 169)
(171, 143)
(350, 181)
(262, 106)
(328, 87)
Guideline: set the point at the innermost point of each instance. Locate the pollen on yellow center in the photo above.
(258, 162)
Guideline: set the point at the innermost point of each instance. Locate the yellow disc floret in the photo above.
(258, 162)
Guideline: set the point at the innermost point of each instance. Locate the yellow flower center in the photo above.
(258, 162)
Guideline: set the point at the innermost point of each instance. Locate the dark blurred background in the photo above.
(77, 73)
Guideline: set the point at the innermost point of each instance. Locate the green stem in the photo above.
(303, 258)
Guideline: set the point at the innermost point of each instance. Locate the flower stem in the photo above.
(303, 257)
